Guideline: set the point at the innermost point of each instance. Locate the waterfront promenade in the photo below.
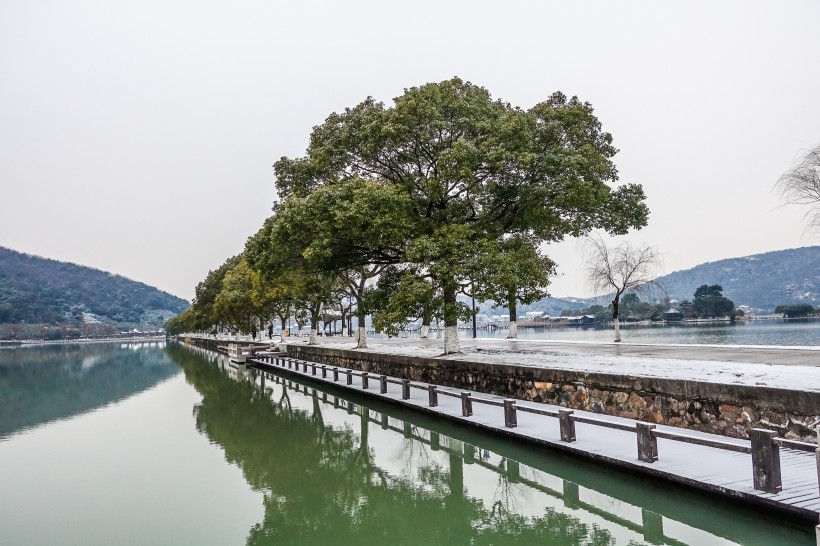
(763, 354)
(722, 466)
(712, 463)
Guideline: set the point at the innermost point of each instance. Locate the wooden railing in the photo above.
(765, 445)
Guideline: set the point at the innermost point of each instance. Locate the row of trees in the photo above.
(708, 302)
(400, 208)
(797, 310)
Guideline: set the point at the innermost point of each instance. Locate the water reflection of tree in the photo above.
(320, 485)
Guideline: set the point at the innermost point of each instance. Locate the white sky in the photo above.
(138, 136)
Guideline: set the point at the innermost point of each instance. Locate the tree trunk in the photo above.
(615, 304)
(451, 344)
(361, 332)
(426, 319)
(314, 326)
(284, 321)
(513, 333)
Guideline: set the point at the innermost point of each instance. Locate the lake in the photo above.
(753, 332)
(155, 444)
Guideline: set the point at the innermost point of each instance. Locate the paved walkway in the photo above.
(803, 356)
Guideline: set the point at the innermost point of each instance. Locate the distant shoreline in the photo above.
(80, 341)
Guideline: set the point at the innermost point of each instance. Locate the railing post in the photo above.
(510, 417)
(324, 372)
(405, 389)
(349, 377)
(469, 453)
(567, 425)
(765, 460)
(647, 444)
(513, 471)
(466, 404)
(383, 384)
(432, 396)
(365, 382)
(652, 524)
(351, 407)
(817, 456)
(336, 374)
(304, 367)
(312, 369)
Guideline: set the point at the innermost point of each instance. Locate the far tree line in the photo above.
(708, 302)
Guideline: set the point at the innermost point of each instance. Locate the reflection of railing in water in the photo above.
(764, 446)
(651, 526)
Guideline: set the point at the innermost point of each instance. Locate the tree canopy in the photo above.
(471, 171)
(449, 183)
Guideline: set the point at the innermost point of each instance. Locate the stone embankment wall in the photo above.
(730, 410)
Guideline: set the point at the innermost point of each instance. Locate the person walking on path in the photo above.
(253, 332)
(270, 331)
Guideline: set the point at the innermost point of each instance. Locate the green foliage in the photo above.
(795, 310)
(472, 170)
(235, 304)
(402, 296)
(39, 290)
(631, 309)
(511, 271)
(709, 302)
(205, 314)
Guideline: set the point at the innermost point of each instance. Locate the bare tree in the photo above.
(619, 268)
(801, 186)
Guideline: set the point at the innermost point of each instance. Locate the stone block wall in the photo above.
(717, 408)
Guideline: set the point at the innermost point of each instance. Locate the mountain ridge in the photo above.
(761, 281)
(38, 290)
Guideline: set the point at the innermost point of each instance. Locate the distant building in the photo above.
(673, 315)
(581, 320)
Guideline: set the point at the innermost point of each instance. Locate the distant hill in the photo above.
(761, 281)
(36, 290)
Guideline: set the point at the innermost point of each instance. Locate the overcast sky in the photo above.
(137, 137)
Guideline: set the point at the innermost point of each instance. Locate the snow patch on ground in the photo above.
(799, 378)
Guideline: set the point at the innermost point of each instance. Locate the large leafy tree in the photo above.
(404, 295)
(472, 169)
(350, 230)
(205, 313)
(512, 271)
(235, 304)
(709, 301)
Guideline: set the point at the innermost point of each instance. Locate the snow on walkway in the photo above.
(794, 377)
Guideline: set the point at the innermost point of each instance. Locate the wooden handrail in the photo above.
(764, 446)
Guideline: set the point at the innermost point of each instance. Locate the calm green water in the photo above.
(153, 445)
